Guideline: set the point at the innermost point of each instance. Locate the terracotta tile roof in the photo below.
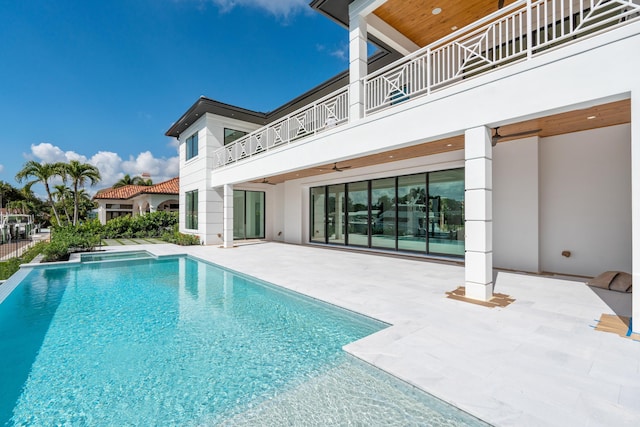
(124, 192)
(171, 186)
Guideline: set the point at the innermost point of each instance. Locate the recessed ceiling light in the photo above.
(449, 145)
(436, 11)
(391, 157)
(591, 117)
(454, 28)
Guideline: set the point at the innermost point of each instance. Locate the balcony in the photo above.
(519, 32)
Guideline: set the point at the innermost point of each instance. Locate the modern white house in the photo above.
(502, 134)
(136, 200)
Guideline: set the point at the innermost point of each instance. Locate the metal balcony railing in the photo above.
(514, 33)
(518, 32)
(324, 114)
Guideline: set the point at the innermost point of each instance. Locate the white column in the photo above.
(102, 213)
(635, 207)
(357, 65)
(478, 270)
(227, 216)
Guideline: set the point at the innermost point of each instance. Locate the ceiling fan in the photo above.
(337, 169)
(266, 181)
(497, 137)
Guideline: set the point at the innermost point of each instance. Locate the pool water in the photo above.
(181, 342)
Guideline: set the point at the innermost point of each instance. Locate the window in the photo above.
(231, 135)
(192, 146)
(191, 202)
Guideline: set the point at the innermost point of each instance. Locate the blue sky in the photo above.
(101, 81)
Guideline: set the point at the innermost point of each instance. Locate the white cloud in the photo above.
(159, 169)
(279, 8)
(174, 143)
(1, 168)
(340, 52)
(110, 164)
(48, 153)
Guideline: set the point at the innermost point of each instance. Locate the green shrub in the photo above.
(57, 250)
(82, 237)
(153, 224)
(180, 239)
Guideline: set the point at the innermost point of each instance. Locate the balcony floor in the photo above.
(538, 361)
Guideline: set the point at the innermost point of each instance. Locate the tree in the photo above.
(85, 203)
(7, 194)
(63, 196)
(41, 173)
(19, 206)
(80, 174)
(128, 180)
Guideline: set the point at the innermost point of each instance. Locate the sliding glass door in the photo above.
(412, 215)
(420, 213)
(335, 214)
(446, 212)
(358, 213)
(383, 213)
(248, 214)
(318, 215)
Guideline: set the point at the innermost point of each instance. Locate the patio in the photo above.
(537, 361)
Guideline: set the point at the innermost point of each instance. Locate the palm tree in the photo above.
(146, 182)
(80, 174)
(85, 203)
(128, 180)
(41, 173)
(125, 180)
(63, 195)
(19, 206)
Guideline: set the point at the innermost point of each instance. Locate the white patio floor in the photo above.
(537, 362)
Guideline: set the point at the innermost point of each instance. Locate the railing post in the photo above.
(428, 54)
(529, 30)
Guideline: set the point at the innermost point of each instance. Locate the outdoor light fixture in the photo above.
(436, 11)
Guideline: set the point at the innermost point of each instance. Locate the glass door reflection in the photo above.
(446, 212)
(335, 214)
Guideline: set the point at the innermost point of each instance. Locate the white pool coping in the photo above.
(536, 362)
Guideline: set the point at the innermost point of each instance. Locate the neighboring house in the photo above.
(504, 137)
(137, 199)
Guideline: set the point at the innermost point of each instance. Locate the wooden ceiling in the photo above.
(611, 114)
(416, 20)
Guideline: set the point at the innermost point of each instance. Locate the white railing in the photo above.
(517, 32)
(328, 112)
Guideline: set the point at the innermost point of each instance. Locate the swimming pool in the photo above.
(176, 341)
(114, 256)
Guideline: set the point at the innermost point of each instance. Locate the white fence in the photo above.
(328, 112)
(516, 32)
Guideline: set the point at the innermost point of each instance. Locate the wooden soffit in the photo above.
(416, 20)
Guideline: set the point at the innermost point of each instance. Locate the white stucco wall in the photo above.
(585, 201)
(515, 205)
(194, 175)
